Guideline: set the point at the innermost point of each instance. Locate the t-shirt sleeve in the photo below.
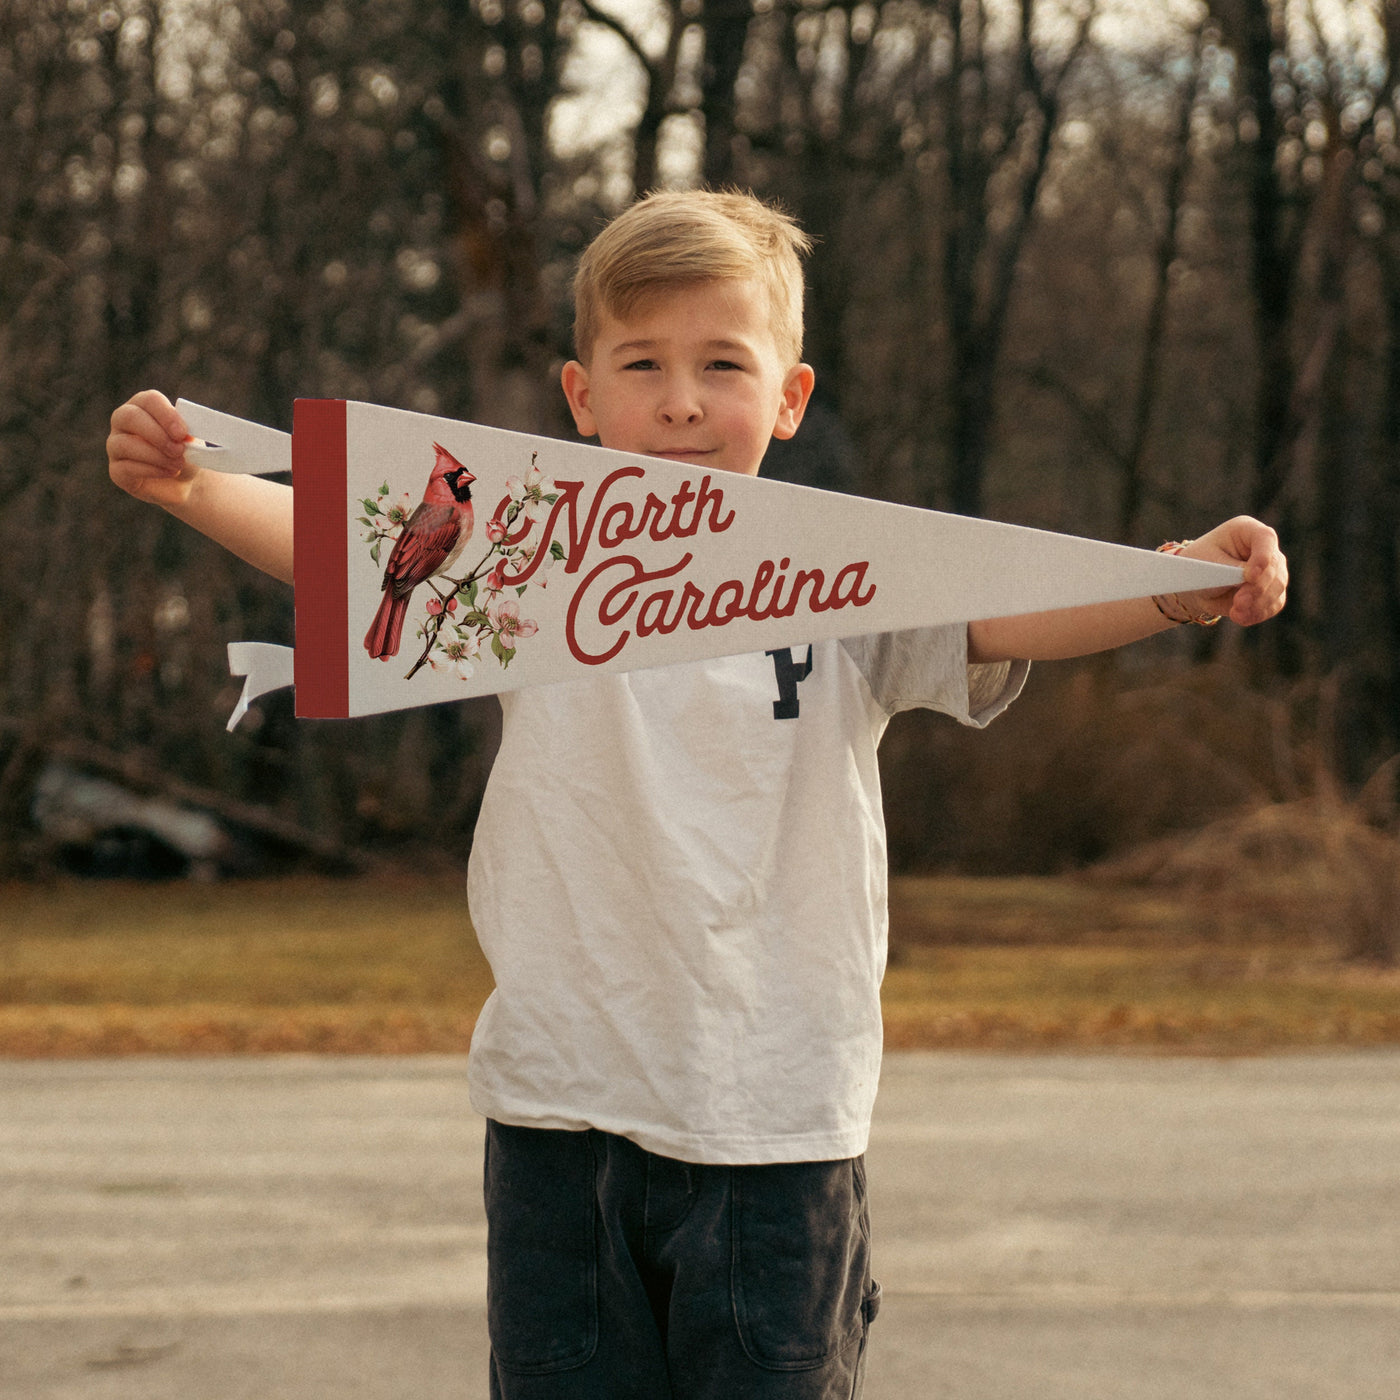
(927, 668)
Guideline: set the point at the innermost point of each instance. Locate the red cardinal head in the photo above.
(450, 483)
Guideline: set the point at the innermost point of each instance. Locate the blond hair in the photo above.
(681, 238)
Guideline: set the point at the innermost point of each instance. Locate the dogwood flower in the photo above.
(525, 557)
(535, 507)
(529, 492)
(508, 624)
(394, 514)
(460, 655)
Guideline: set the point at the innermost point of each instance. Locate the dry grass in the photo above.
(1208, 949)
(335, 967)
(1048, 912)
(218, 1028)
(1197, 998)
(1276, 926)
(1161, 956)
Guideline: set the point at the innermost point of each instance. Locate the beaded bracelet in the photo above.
(1191, 618)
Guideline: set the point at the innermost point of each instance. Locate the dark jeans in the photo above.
(617, 1274)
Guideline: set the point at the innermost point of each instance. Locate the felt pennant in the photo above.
(436, 560)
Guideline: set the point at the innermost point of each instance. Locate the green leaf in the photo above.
(374, 550)
(384, 490)
(551, 498)
(556, 550)
(498, 651)
(371, 508)
(475, 618)
(520, 592)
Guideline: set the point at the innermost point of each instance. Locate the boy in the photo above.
(679, 878)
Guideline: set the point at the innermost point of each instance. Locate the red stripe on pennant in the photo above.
(320, 559)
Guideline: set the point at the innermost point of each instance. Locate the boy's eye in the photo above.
(724, 364)
(640, 364)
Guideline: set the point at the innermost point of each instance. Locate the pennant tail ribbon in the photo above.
(232, 444)
(229, 444)
(264, 666)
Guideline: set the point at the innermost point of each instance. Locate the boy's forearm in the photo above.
(250, 516)
(1053, 636)
(1064, 632)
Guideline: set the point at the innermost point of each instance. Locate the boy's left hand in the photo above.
(1254, 546)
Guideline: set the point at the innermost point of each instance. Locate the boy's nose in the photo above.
(680, 404)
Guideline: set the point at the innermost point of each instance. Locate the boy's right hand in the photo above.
(248, 515)
(146, 450)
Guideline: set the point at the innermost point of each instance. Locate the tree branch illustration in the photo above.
(433, 627)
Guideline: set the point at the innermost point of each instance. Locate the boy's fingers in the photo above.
(153, 402)
(137, 446)
(132, 449)
(1253, 545)
(1260, 599)
(152, 416)
(1266, 568)
(1241, 540)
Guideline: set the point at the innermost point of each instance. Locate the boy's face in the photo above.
(693, 375)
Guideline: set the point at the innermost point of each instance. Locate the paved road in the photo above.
(302, 1229)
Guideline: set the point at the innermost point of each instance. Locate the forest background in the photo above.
(1115, 268)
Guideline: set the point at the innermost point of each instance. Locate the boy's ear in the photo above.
(797, 391)
(575, 381)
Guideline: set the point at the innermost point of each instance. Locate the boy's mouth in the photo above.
(681, 454)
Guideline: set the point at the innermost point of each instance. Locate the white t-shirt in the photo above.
(682, 895)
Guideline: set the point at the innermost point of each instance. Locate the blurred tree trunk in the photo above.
(1133, 462)
(503, 70)
(992, 138)
(1251, 29)
(1343, 534)
(1385, 509)
(831, 159)
(726, 38)
(1320, 167)
(1128, 444)
(1300, 234)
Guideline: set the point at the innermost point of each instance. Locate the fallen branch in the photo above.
(148, 778)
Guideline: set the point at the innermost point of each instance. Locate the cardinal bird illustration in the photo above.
(429, 543)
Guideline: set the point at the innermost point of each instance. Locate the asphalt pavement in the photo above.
(1052, 1227)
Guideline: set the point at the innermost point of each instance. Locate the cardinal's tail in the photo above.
(382, 639)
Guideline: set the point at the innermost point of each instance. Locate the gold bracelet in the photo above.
(1182, 616)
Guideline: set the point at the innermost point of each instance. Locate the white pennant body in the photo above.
(585, 560)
